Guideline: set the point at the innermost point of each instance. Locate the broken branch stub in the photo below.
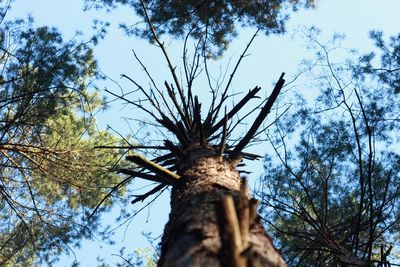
(168, 176)
(191, 132)
(232, 246)
(235, 226)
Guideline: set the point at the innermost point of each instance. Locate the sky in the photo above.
(268, 57)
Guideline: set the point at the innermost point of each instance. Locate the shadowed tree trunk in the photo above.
(196, 225)
(213, 220)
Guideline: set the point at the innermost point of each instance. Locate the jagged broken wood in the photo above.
(244, 213)
(235, 225)
(149, 193)
(232, 246)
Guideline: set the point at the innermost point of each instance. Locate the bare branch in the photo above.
(261, 117)
(115, 188)
(224, 134)
(162, 47)
(251, 94)
(224, 93)
(166, 175)
(149, 193)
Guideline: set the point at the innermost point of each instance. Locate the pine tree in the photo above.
(333, 196)
(213, 219)
(50, 173)
(213, 21)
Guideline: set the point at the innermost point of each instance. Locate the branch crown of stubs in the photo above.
(207, 136)
(179, 111)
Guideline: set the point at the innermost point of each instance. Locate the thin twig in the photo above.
(171, 67)
(224, 93)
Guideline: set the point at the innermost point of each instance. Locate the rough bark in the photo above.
(192, 237)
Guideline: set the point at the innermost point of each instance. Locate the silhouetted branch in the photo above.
(115, 188)
(184, 116)
(224, 93)
(149, 193)
(132, 147)
(162, 47)
(261, 117)
(142, 175)
(251, 94)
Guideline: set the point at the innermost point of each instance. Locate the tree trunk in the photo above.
(193, 235)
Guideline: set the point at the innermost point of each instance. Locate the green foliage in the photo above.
(146, 257)
(214, 22)
(388, 71)
(51, 176)
(332, 197)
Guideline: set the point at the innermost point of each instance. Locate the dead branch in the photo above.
(224, 135)
(166, 175)
(115, 188)
(224, 93)
(261, 117)
(149, 193)
(251, 94)
(142, 175)
(232, 245)
(162, 47)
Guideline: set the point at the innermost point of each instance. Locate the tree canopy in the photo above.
(332, 196)
(50, 174)
(215, 23)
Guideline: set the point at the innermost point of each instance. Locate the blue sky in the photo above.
(269, 56)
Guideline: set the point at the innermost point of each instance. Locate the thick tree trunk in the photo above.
(192, 237)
